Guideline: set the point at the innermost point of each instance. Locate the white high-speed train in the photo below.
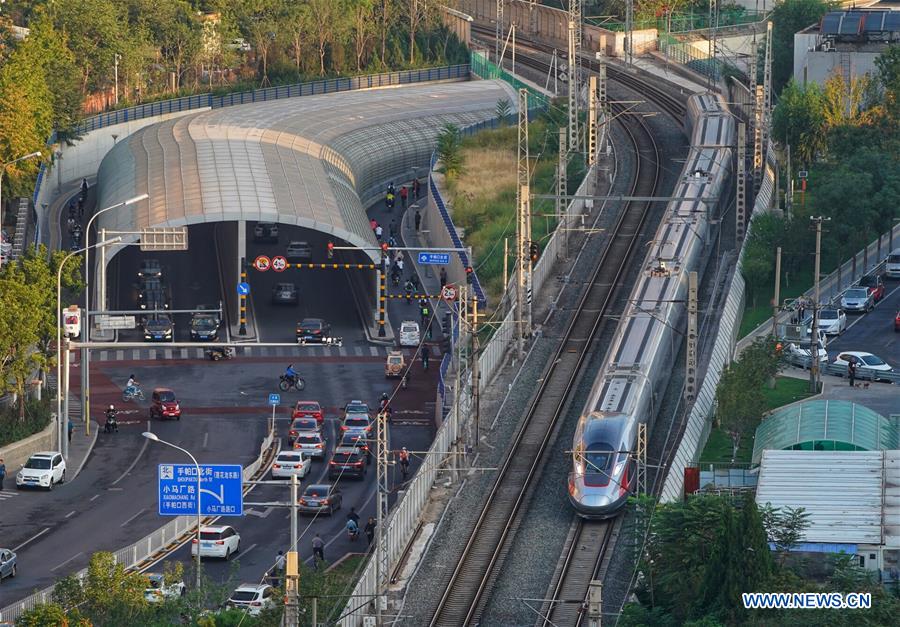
(639, 361)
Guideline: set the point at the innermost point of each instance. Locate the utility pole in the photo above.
(532, 17)
(789, 188)
(595, 603)
(575, 14)
(601, 86)
(476, 373)
(381, 553)
(498, 31)
(592, 121)
(690, 380)
(629, 32)
(573, 90)
(523, 227)
(562, 188)
(292, 571)
(640, 455)
(713, 28)
(740, 221)
(814, 339)
(767, 90)
(776, 304)
(116, 58)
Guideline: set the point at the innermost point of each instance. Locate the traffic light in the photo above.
(330, 250)
(534, 251)
(470, 274)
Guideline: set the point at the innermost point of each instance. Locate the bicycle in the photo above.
(285, 383)
(131, 394)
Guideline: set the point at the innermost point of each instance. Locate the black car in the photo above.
(347, 462)
(204, 327)
(313, 330)
(158, 329)
(152, 294)
(298, 252)
(265, 232)
(320, 497)
(285, 294)
(150, 269)
(359, 442)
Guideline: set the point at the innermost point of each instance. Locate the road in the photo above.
(873, 332)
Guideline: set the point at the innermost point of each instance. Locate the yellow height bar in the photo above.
(243, 329)
(382, 296)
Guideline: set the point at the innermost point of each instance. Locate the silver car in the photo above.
(298, 251)
(312, 443)
(857, 300)
(7, 563)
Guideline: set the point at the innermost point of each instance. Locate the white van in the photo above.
(892, 265)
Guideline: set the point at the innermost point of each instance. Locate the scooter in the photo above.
(216, 354)
(111, 424)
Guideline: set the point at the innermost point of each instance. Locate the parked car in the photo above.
(310, 409)
(310, 442)
(42, 470)
(164, 404)
(150, 268)
(239, 44)
(832, 321)
(409, 333)
(217, 541)
(7, 563)
(265, 232)
(159, 328)
(285, 294)
(158, 590)
(347, 462)
(252, 597)
(857, 300)
(863, 360)
(311, 330)
(289, 463)
(799, 353)
(320, 497)
(360, 442)
(298, 252)
(892, 265)
(875, 285)
(304, 424)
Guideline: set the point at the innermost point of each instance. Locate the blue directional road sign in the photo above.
(434, 259)
(274, 399)
(220, 490)
(243, 289)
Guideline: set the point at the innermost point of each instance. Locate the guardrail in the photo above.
(142, 550)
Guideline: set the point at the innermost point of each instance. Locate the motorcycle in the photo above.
(216, 354)
(285, 383)
(111, 425)
(132, 394)
(389, 201)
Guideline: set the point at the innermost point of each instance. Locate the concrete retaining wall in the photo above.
(16, 454)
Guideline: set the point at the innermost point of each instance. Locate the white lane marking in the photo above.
(95, 497)
(142, 510)
(80, 553)
(7, 494)
(358, 351)
(243, 553)
(374, 351)
(70, 514)
(32, 538)
(136, 459)
(205, 440)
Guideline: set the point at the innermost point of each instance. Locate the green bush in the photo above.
(37, 416)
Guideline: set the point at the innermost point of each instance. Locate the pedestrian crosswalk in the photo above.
(7, 494)
(160, 352)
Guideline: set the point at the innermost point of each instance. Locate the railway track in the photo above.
(464, 596)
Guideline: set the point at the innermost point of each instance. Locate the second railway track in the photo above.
(463, 599)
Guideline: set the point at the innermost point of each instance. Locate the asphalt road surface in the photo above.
(873, 332)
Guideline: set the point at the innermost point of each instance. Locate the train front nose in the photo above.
(593, 502)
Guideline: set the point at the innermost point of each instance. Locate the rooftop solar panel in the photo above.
(831, 23)
(851, 24)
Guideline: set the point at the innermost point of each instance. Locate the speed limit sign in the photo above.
(448, 292)
(279, 264)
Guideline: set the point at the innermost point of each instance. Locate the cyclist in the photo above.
(132, 387)
(290, 373)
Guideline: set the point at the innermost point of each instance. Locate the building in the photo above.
(845, 42)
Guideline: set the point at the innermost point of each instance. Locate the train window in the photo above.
(598, 459)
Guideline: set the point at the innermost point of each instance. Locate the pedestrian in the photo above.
(279, 569)
(378, 232)
(399, 265)
(425, 355)
(373, 223)
(370, 529)
(801, 309)
(84, 188)
(423, 311)
(443, 278)
(851, 372)
(71, 429)
(416, 188)
(387, 263)
(2, 472)
(404, 194)
(418, 220)
(353, 515)
(318, 546)
(392, 228)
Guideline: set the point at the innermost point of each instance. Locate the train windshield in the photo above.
(598, 463)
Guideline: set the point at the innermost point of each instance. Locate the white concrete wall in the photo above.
(818, 67)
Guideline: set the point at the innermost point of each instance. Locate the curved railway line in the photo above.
(465, 595)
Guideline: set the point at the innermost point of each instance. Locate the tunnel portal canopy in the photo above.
(312, 161)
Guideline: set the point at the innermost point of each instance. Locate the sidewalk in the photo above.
(81, 444)
(879, 397)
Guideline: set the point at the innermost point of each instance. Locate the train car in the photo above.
(639, 362)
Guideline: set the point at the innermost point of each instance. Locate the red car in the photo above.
(897, 322)
(875, 284)
(311, 409)
(163, 404)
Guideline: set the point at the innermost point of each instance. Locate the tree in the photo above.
(844, 102)
(788, 17)
(48, 615)
(504, 107)
(799, 121)
(260, 21)
(95, 34)
(449, 150)
(785, 527)
(327, 16)
(364, 23)
(20, 306)
(888, 64)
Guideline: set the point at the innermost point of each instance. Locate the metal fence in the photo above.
(324, 86)
(141, 550)
(486, 69)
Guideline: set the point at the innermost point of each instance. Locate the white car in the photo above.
(42, 470)
(863, 360)
(832, 321)
(219, 541)
(799, 353)
(157, 591)
(409, 333)
(253, 597)
(290, 463)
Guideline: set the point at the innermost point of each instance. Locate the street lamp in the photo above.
(63, 439)
(153, 438)
(3, 167)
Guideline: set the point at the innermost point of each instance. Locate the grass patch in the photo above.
(333, 588)
(758, 309)
(718, 446)
(37, 416)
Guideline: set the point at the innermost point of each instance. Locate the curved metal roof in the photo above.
(825, 425)
(312, 161)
